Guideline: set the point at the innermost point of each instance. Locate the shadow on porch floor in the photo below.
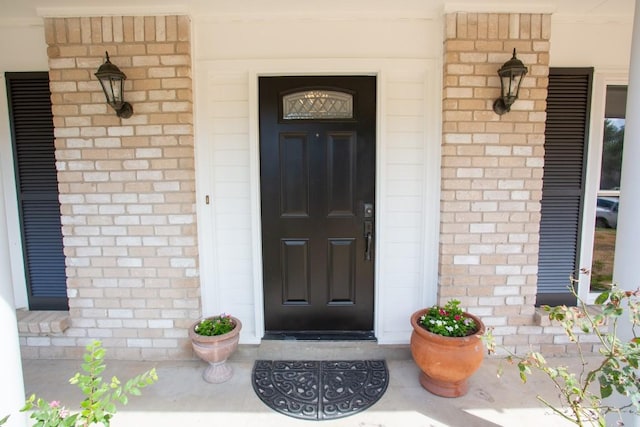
(182, 398)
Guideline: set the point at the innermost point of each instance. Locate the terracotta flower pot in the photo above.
(446, 362)
(215, 350)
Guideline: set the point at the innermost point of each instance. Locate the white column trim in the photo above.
(11, 218)
(625, 262)
(11, 386)
(626, 253)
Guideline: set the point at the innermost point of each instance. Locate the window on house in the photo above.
(317, 105)
(609, 189)
(563, 188)
(31, 122)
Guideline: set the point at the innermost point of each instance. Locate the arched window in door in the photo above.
(317, 105)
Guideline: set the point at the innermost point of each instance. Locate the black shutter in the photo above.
(31, 119)
(568, 108)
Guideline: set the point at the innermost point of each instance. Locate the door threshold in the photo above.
(319, 336)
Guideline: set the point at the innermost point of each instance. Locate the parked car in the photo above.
(607, 212)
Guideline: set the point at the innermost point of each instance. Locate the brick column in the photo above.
(492, 168)
(127, 186)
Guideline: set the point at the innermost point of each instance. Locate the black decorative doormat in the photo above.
(318, 389)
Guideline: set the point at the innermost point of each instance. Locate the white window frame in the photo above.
(601, 79)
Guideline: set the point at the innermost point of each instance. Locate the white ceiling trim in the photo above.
(408, 10)
(69, 12)
(591, 19)
(233, 10)
(303, 17)
(20, 22)
(503, 7)
(543, 8)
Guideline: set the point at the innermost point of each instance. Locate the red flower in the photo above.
(457, 317)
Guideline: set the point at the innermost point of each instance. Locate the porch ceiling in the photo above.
(576, 9)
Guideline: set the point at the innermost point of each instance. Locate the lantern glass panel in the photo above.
(112, 87)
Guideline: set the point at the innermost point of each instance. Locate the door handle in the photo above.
(368, 238)
(367, 252)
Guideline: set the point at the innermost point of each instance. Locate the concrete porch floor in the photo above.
(182, 397)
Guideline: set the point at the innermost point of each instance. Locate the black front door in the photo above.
(317, 164)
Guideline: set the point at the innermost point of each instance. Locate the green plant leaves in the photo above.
(449, 320)
(616, 371)
(523, 367)
(216, 325)
(99, 404)
(602, 298)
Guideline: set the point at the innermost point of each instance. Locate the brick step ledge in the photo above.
(42, 323)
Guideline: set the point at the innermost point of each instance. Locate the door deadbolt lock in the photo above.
(368, 210)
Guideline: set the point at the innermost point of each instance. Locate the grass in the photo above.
(603, 251)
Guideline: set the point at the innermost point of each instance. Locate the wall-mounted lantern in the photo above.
(112, 81)
(511, 75)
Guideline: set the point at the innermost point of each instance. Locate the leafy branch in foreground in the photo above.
(99, 405)
(583, 394)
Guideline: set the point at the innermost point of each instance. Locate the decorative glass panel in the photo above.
(317, 104)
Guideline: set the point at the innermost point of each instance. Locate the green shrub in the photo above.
(583, 394)
(101, 397)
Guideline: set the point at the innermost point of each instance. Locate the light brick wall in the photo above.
(127, 187)
(492, 170)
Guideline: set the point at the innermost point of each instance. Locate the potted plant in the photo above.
(446, 345)
(214, 339)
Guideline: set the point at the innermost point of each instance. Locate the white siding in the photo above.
(225, 116)
(321, 37)
(407, 208)
(600, 43)
(404, 52)
(402, 257)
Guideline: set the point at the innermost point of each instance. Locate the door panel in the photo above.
(295, 271)
(316, 176)
(294, 175)
(341, 271)
(341, 170)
